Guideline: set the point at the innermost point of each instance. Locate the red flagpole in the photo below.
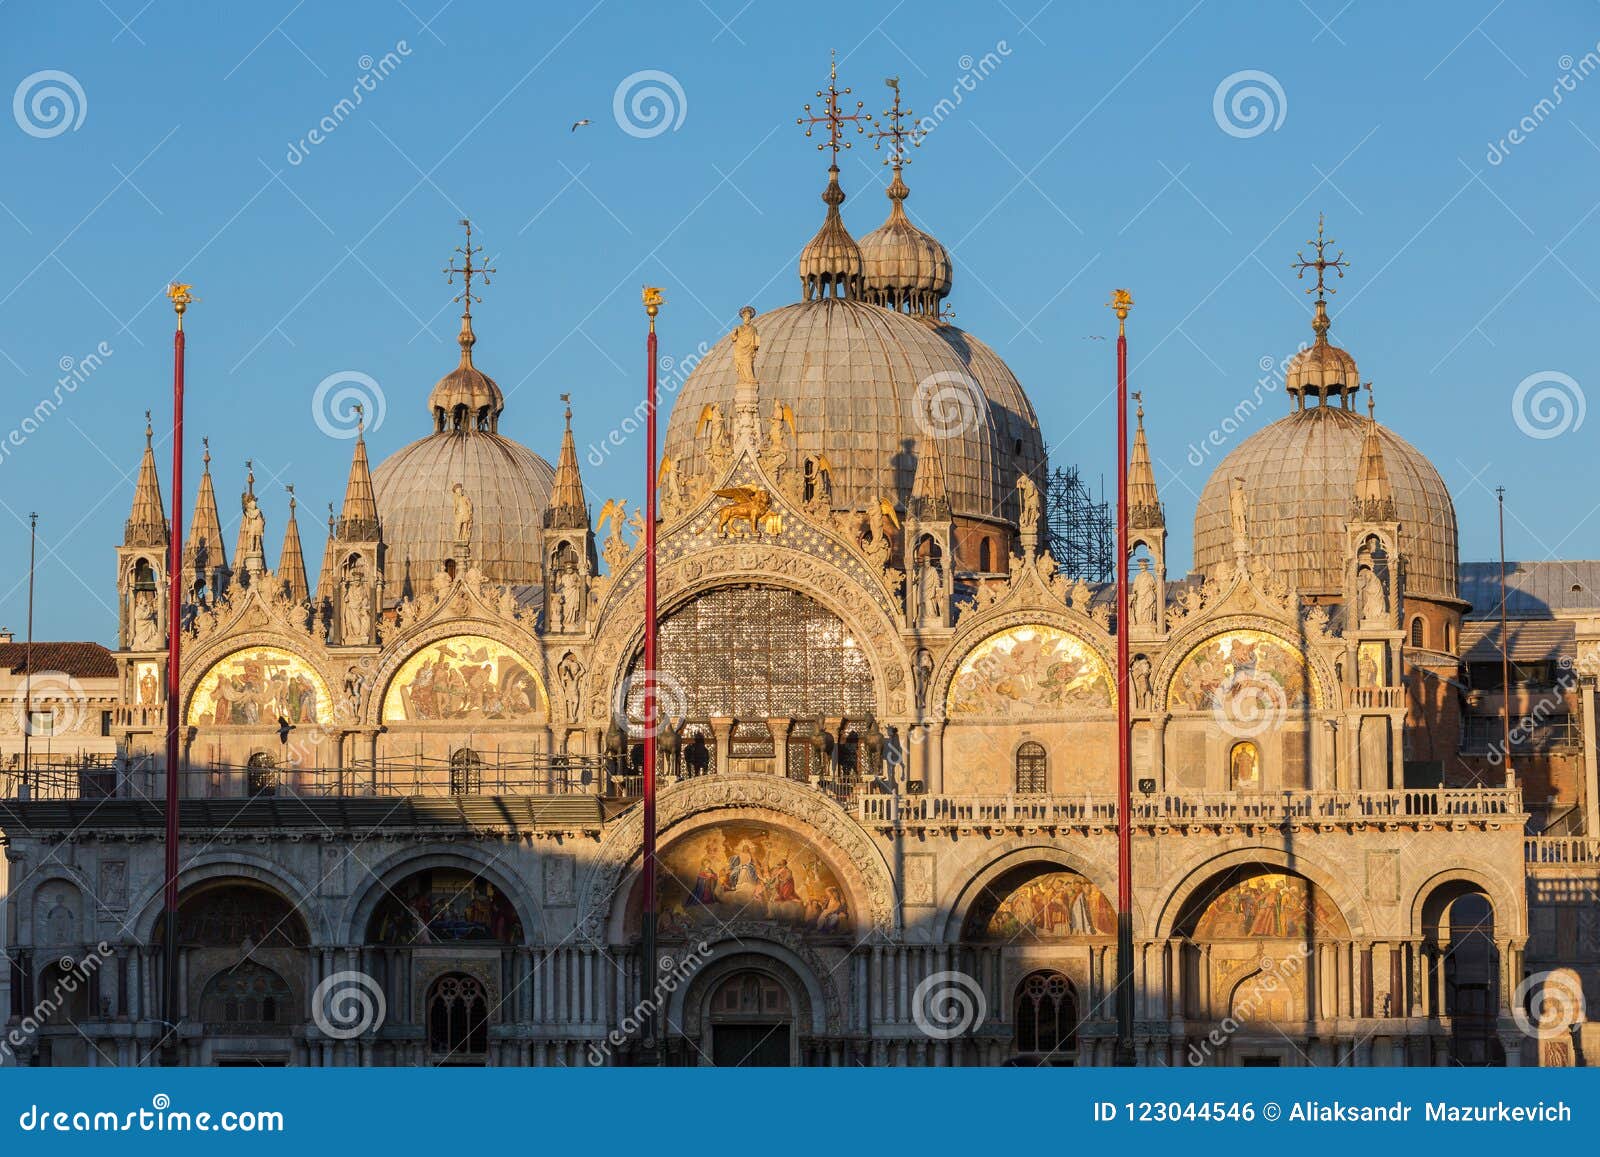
(169, 1004)
(652, 305)
(1120, 302)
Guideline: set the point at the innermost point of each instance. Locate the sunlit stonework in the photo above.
(890, 740)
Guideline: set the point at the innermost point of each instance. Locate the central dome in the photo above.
(1300, 477)
(872, 389)
(509, 486)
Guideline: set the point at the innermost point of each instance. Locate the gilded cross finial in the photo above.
(1321, 264)
(895, 132)
(467, 270)
(832, 116)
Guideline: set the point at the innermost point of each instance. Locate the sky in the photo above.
(1182, 150)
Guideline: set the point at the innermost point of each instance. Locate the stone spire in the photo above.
(292, 560)
(567, 509)
(930, 501)
(147, 525)
(205, 560)
(1374, 499)
(1144, 503)
(358, 521)
(330, 551)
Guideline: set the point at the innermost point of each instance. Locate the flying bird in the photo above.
(576, 125)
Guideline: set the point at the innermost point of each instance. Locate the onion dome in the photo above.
(902, 267)
(830, 264)
(1322, 370)
(466, 396)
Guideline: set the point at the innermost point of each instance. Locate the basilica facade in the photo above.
(887, 815)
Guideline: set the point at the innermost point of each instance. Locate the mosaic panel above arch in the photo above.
(1222, 668)
(259, 686)
(1056, 904)
(1271, 905)
(744, 872)
(1031, 671)
(464, 678)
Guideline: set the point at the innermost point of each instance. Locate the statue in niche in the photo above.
(570, 672)
(145, 630)
(1139, 678)
(1369, 595)
(570, 586)
(1143, 609)
(929, 592)
(356, 609)
(921, 675)
(746, 341)
(463, 506)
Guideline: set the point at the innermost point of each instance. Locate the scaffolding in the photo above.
(1079, 528)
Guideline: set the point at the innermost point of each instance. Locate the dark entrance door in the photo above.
(750, 1045)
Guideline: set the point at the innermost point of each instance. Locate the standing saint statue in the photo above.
(255, 526)
(356, 604)
(1144, 596)
(746, 341)
(1239, 514)
(1028, 503)
(463, 512)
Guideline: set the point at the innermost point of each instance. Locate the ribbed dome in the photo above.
(509, 486)
(1300, 479)
(901, 266)
(857, 376)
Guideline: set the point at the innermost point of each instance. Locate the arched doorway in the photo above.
(1461, 966)
(457, 1020)
(751, 1021)
(1045, 1020)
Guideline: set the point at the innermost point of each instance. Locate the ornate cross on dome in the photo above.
(1321, 264)
(895, 133)
(832, 117)
(467, 270)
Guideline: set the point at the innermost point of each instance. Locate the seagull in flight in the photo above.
(576, 125)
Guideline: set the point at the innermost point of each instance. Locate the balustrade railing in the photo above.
(1562, 851)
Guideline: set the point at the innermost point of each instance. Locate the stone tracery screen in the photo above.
(757, 652)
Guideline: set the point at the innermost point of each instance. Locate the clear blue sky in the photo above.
(1089, 156)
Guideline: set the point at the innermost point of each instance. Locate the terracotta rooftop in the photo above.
(80, 660)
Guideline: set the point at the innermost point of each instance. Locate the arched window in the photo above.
(1417, 632)
(1244, 766)
(1032, 769)
(1046, 1016)
(261, 774)
(985, 555)
(466, 772)
(458, 1020)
